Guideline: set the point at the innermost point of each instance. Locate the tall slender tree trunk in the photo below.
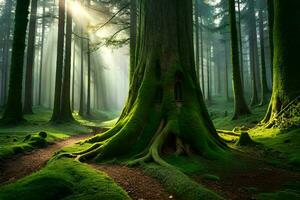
(7, 15)
(73, 74)
(226, 71)
(88, 104)
(197, 44)
(263, 75)
(59, 62)
(241, 41)
(28, 101)
(286, 82)
(271, 25)
(202, 57)
(42, 53)
(81, 103)
(208, 98)
(13, 110)
(65, 112)
(253, 53)
(240, 105)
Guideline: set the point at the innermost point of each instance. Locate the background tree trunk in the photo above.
(240, 105)
(42, 53)
(65, 111)
(28, 100)
(81, 103)
(13, 110)
(7, 16)
(59, 62)
(253, 53)
(263, 75)
(271, 25)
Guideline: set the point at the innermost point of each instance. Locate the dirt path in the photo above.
(135, 182)
(246, 184)
(27, 163)
(137, 185)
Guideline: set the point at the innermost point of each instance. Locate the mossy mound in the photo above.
(286, 194)
(245, 140)
(64, 179)
(177, 183)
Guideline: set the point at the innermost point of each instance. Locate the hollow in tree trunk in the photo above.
(165, 112)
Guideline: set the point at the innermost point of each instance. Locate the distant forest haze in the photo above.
(149, 99)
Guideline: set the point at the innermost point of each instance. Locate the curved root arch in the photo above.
(283, 115)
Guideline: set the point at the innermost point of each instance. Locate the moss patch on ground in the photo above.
(64, 179)
(12, 137)
(177, 183)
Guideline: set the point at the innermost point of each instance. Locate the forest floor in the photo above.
(268, 170)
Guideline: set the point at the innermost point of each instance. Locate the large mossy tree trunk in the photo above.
(13, 110)
(240, 105)
(165, 111)
(28, 97)
(286, 82)
(133, 35)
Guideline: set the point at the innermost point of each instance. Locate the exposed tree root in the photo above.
(285, 117)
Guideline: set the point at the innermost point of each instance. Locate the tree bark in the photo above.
(59, 62)
(165, 111)
(197, 44)
(202, 57)
(271, 25)
(286, 82)
(7, 15)
(241, 42)
(42, 53)
(263, 80)
(65, 111)
(30, 60)
(81, 103)
(133, 35)
(253, 53)
(240, 105)
(13, 110)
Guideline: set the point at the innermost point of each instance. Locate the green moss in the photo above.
(185, 164)
(286, 194)
(245, 140)
(64, 179)
(177, 183)
(211, 177)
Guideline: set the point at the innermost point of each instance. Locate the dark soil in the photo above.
(24, 164)
(135, 182)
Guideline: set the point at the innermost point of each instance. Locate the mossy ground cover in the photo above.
(64, 179)
(12, 138)
(278, 148)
